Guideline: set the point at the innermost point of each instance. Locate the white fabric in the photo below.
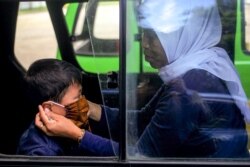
(188, 31)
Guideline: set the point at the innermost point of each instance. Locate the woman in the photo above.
(200, 110)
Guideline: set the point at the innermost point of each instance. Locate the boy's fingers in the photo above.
(38, 121)
(43, 116)
(47, 116)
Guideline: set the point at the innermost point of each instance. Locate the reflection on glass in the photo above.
(247, 24)
(97, 30)
(201, 109)
(95, 34)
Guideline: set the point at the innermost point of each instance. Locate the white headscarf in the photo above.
(188, 31)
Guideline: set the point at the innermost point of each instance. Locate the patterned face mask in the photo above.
(77, 112)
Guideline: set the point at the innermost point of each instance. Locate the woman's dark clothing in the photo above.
(192, 116)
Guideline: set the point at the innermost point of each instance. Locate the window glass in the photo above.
(247, 24)
(104, 32)
(95, 35)
(80, 19)
(35, 36)
(199, 111)
(107, 28)
(94, 53)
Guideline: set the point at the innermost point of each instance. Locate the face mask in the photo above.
(77, 112)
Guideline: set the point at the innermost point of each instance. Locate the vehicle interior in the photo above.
(102, 88)
(18, 114)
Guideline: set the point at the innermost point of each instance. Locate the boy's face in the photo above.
(73, 93)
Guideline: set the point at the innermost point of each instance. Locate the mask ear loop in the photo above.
(50, 104)
(54, 103)
(47, 105)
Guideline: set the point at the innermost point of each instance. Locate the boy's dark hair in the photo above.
(48, 79)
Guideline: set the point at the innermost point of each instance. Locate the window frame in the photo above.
(68, 54)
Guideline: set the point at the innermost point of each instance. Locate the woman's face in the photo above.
(153, 50)
(72, 94)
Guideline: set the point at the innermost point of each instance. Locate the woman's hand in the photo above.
(95, 111)
(56, 125)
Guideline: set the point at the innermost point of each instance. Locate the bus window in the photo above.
(148, 96)
(80, 21)
(95, 39)
(34, 17)
(194, 113)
